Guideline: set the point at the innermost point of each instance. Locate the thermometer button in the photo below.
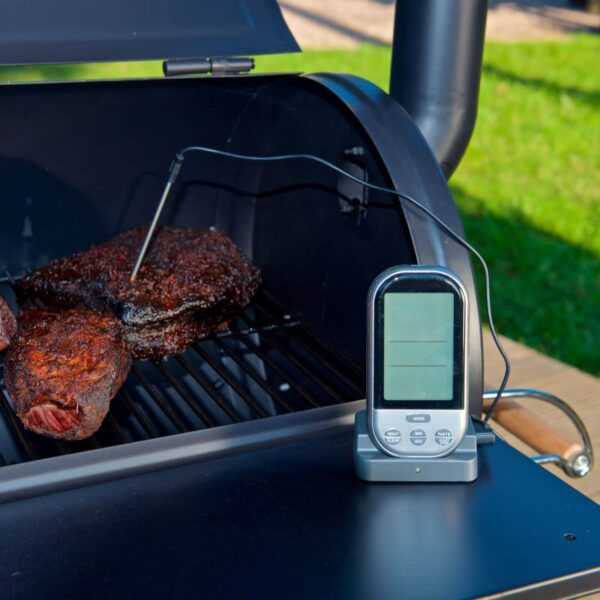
(392, 437)
(418, 437)
(421, 418)
(443, 437)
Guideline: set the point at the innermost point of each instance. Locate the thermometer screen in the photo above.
(418, 346)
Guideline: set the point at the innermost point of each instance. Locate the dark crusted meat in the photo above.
(62, 370)
(8, 324)
(191, 281)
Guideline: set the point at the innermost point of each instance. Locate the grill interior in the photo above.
(269, 362)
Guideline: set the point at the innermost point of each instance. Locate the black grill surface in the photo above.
(268, 363)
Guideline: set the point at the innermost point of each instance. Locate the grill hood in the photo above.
(71, 31)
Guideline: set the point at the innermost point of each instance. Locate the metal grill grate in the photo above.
(269, 363)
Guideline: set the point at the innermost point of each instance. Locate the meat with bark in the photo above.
(191, 281)
(62, 370)
(8, 324)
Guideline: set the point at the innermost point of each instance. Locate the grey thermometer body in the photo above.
(417, 379)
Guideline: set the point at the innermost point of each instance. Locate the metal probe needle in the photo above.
(173, 172)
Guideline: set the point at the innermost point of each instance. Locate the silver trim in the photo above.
(461, 414)
(50, 475)
(574, 585)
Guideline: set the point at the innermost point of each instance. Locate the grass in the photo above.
(529, 192)
(528, 188)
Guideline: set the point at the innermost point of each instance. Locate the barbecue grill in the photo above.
(83, 161)
(98, 152)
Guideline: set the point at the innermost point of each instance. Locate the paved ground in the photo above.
(348, 23)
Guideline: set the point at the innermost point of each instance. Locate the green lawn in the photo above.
(529, 186)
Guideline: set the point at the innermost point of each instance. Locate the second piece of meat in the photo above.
(62, 370)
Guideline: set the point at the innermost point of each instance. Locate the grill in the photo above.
(83, 161)
(292, 364)
(268, 363)
(206, 504)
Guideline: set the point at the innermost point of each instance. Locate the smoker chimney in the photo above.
(436, 67)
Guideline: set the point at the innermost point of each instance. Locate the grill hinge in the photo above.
(201, 66)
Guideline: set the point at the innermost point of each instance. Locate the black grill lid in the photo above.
(74, 31)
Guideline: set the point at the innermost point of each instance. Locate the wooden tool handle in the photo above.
(529, 428)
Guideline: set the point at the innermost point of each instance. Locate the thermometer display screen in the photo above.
(418, 346)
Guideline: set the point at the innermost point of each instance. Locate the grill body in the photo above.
(82, 161)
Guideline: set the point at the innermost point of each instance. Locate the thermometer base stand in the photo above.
(373, 465)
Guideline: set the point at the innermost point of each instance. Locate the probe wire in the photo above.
(176, 167)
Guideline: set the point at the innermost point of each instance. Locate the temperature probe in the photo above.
(417, 384)
(456, 457)
(400, 197)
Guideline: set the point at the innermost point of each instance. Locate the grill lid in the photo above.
(72, 31)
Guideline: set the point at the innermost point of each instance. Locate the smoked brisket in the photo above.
(190, 283)
(62, 370)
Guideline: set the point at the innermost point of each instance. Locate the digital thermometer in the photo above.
(417, 386)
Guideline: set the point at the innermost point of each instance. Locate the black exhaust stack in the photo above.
(436, 68)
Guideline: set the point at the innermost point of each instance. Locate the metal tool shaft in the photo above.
(173, 172)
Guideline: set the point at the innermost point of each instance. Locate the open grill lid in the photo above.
(72, 31)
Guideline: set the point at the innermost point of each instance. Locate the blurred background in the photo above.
(529, 186)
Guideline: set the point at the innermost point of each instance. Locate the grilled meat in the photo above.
(62, 370)
(8, 324)
(191, 281)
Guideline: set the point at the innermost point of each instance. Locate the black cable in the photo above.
(176, 166)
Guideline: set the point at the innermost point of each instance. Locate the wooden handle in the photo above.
(529, 428)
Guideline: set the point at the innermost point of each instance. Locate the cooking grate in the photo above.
(269, 363)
